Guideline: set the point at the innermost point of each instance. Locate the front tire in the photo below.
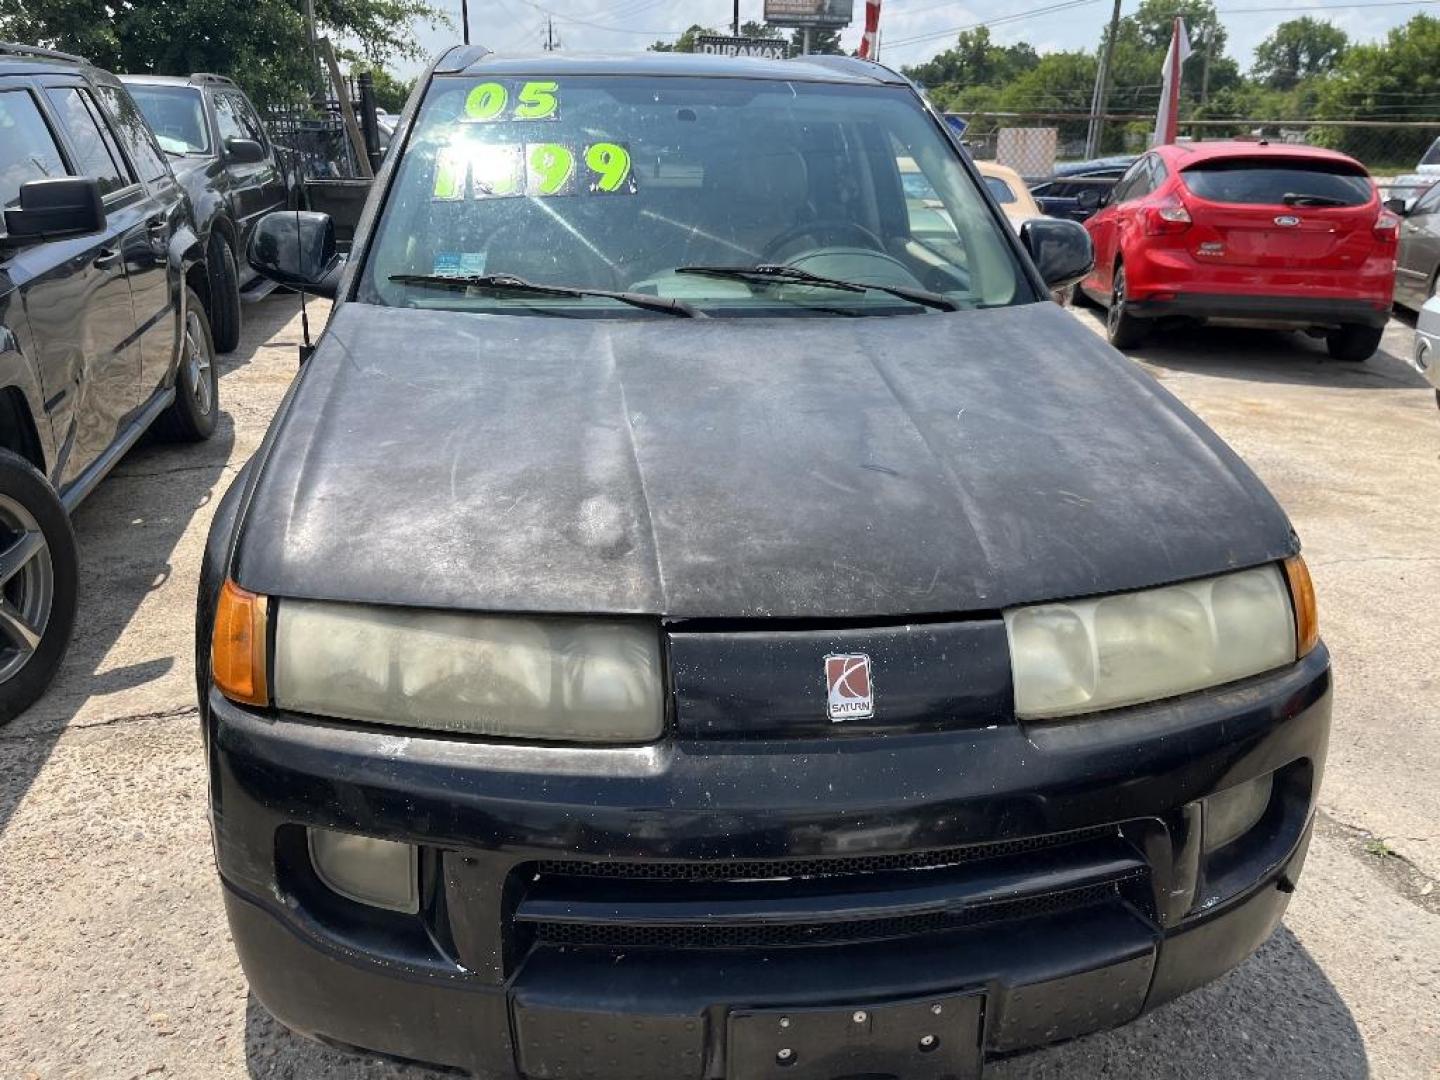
(39, 582)
(224, 295)
(1354, 342)
(1124, 330)
(197, 383)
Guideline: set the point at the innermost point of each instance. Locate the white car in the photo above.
(1430, 161)
(1427, 344)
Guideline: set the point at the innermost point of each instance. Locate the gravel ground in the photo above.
(116, 958)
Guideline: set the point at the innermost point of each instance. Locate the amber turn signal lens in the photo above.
(237, 650)
(1302, 595)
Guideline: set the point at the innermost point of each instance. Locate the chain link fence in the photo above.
(1392, 151)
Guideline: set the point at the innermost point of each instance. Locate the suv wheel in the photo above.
(38, 583)
(1354, 342)
(224, 295)
(197, 384)
(1124, 330)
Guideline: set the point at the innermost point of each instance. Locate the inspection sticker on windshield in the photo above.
(494, 102)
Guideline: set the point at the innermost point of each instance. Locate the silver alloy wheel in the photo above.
(27, 586)
(197, 363)
(1117, 302)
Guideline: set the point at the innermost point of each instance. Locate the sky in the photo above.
(628, 25)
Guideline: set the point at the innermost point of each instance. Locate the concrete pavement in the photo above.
(116, 958)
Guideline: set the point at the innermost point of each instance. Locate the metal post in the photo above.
(465, 20)
(736, 22)
(368, 125)
(805, 41)
(1098, 104)
(317, 78)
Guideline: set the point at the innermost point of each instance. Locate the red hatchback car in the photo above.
(1286, 236)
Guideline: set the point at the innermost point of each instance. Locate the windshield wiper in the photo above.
(509, 284)
(792, 275)
(1292, 198)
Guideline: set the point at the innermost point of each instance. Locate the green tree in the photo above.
(686, 41)
(390, 93)
(759, 30)
(974, 60)
(1298, 49)
(261, 43)
(1396, 79)
(821, 41)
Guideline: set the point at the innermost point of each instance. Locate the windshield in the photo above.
(176, 114)
(619, 183)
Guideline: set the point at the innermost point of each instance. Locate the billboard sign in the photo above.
(769, 48)
(826, 14)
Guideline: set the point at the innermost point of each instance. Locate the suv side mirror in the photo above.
(1398, 206)
(55, 208)
(295, 248)
(244, 151)
(1061, 250)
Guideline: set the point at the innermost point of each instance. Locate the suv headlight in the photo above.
(1087, 655)
(558, 679)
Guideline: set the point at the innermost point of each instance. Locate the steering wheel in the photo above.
(819, 228)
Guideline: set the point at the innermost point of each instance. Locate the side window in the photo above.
(134, 133)
(232, 119)
(1427, 203)
(1128, 186)
(1158, 173)
(251, 120)
(27, 148)
(95, 149)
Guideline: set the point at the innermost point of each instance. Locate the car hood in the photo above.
(730, 468)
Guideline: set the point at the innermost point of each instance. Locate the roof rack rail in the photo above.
(211, 77)
(459, 57)
(14, 48)
(853, 65)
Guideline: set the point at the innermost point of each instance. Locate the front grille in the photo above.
(620, 936)
(827, 866)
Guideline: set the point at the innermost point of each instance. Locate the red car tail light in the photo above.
(1167, 217)
(1387, 227)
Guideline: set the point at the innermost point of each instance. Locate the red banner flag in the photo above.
(870, 40)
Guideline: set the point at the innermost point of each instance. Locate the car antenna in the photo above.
(306, 348)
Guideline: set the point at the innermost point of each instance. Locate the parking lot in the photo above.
(117, 961)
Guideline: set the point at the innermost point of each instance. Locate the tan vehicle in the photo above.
(1009, 191)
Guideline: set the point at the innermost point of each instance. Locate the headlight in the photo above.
(559, 679)
(1088, 655)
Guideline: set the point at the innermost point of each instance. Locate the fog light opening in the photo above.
(1232, 813)
(379, 873)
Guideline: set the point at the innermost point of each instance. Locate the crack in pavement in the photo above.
(1394, 869)
(173, 713)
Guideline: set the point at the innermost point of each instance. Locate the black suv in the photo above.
(227, 165)
(699, 615)
(103, 330)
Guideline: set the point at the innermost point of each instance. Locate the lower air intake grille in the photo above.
(620, 936)
(834, 866)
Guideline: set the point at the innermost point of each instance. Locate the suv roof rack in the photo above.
(853, 65)
(210, 77)
(14, 48)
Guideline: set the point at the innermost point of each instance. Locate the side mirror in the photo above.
(60, 207)
(1398, 206)
(296, 248)
(1061, 250)
(1089, 199)
(244, 151)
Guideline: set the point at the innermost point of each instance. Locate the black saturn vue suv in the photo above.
(689, 621)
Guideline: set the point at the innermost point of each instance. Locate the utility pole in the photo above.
(736, 22)
(1101, 99)
(1205, 72)
(552, 40)
(464, 20)
(805, 42)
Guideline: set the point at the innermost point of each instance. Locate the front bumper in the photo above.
(580, 917)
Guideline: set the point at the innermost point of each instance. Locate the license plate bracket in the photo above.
(933, 1038)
